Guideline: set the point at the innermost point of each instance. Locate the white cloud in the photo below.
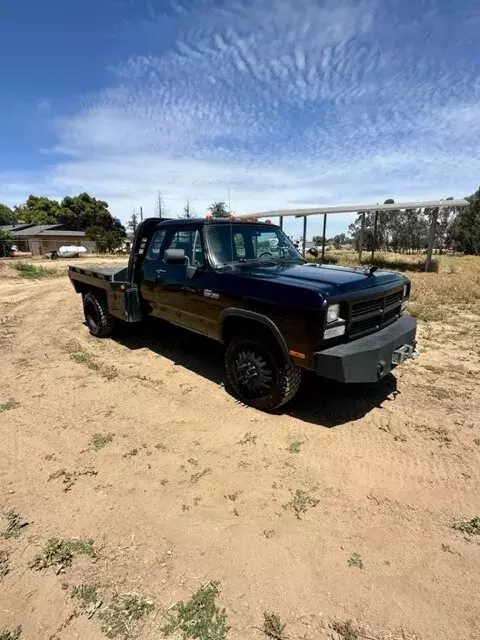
(338, 102)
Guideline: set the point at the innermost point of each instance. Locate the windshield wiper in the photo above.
(256, 261)
(259, 262)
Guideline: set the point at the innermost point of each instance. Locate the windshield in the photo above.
(244, 243)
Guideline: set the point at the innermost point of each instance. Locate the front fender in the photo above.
(257, 317)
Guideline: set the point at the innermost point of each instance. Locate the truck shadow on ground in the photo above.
(320, 401)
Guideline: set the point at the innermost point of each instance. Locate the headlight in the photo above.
(333, 317)
(405, 291)
(333, 313)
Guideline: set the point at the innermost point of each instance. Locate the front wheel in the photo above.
(259, 375)
(99, 320)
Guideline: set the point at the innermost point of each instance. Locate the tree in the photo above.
(77, 213)
(400, 230)
(6, 243)
(464, 231)
(219, 210)
(94, 232)
(83, 211)
(109, 241)
(38, 210)
(161, 209)
(6, 215)
(339, 240)
(317, 240)
(446, 218)
(106, 241)
(132, 224)
(187, 211)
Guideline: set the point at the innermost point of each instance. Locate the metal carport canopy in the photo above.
(364, 208)
(352, 208)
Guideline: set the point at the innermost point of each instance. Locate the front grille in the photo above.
(370, 314)
(365, 325)
(393, 298)
(368, 306)
(389, 315)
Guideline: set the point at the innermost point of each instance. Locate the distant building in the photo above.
(43, 238)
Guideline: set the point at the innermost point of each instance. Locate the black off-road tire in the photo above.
(286, 377)
(100, 322)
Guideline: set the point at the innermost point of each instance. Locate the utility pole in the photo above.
(431, 238)
(360, 243)
(141, 214)
(324, 239)
(229, 207)
(304, 241)
(374, 245)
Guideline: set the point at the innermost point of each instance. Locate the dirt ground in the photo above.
(186, 486)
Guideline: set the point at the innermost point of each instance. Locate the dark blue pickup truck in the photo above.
(244, 284)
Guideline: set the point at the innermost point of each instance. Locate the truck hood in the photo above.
(329, 279)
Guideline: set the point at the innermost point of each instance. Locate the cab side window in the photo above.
(155, 245)
(190, 241)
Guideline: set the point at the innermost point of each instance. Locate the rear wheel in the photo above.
(259, 375)
(99, 320)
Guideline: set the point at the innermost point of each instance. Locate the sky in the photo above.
(287, 103)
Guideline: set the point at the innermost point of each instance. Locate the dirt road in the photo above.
(340, 507)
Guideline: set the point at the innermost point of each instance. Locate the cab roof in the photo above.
(168, 222)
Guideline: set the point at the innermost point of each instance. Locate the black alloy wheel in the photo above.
(259, 375)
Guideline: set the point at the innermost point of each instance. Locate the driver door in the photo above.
(178, 292)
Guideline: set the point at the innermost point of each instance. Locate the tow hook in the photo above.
(405, 352)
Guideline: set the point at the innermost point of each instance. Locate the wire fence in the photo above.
(27, 250)
(17, 248)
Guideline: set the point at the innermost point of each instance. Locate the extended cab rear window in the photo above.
(155, 245)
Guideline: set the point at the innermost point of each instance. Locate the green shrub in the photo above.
(26, 270)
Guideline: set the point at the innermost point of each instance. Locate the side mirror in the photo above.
(313, 252)
(174, 256)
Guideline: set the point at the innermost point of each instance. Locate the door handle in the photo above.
(159, 271)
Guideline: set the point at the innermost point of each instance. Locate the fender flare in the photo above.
(257, 317)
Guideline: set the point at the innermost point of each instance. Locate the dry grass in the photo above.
(273, 627)
(14, 524)
(121, 618)
(80, 356)
(69, 478)
(4, 564)
(456, 284)
(10, 404)
(7, 333)
(434, 294)
(39, 267)
(11, 634)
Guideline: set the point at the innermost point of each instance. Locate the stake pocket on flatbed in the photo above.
(244, 284)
